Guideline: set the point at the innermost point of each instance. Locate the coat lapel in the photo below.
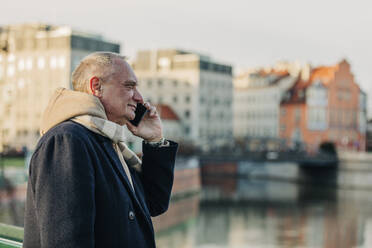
(118, 167)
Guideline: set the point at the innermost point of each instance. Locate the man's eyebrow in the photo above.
(130, 83)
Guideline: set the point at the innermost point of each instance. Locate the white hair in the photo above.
(99, 64)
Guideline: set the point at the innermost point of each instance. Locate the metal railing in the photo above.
(10, 236)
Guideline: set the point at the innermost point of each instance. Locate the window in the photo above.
(201, 132)
(149, 83)
(333, 117)
(21, 65)
(175, 99)
(160, 83)
(317, 118)
(187, 113)
(11, 58)
(175, 83)
(11, 70)
(301, 94)
(187, 99)
(339, 119)
(53, 62)
(41, 63)
(29, 64)
(62, 62)
(164, 62)
(282, 128)
(298, 115)
(21, 83)
(287, 96)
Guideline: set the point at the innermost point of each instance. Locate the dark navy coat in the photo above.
(79, 196)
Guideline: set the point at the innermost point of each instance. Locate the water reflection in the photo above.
(180, 211)
(233, 212)
(281, 214)
(12, 201)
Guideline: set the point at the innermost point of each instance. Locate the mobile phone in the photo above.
(140, 112)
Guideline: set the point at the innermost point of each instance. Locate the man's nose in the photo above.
(137, 96)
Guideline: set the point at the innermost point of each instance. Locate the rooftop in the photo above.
(167, 113)
(323, 74)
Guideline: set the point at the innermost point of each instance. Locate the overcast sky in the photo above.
(244, 33)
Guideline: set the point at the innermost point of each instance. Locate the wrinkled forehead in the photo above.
(123, 71)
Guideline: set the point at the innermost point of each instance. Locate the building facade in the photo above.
(257, 96)
(257, 104)
(329, 107)
(198, 89)
(35, 59)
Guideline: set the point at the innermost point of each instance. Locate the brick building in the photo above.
(329, 106)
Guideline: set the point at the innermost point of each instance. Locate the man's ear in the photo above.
(95, 86)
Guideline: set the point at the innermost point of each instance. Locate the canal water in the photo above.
(258, 212)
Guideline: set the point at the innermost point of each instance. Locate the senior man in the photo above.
(86, 188)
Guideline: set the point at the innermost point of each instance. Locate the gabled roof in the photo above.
(166, 112)
(282, 73)
(296, 94)
(323, 74)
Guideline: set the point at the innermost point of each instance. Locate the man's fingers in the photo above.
(131, 127)
(147, 105)
(153, 111)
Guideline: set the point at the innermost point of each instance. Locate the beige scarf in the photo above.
(88, 111)
(114, 132)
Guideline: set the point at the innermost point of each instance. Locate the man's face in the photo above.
(119, 93)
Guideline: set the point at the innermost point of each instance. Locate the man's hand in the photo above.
(150, 127)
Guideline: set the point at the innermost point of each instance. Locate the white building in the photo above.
(257, 97)
(35, 59)
(198, 89)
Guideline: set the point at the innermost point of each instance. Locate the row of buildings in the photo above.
(301, 106)
(200, 101)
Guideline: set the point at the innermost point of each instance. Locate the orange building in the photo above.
(328, 106)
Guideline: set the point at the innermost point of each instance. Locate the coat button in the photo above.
(131, 215)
